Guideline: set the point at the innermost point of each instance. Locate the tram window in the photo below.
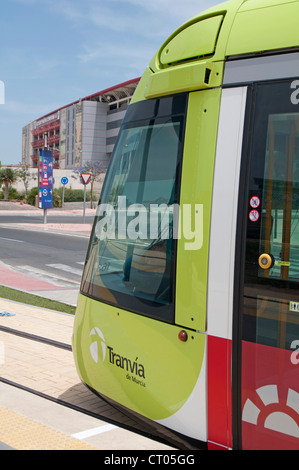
(274, 196)
(276, 324)
(269, 306)
(280, 221)
(131, 258)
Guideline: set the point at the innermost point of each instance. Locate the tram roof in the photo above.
(233, 29)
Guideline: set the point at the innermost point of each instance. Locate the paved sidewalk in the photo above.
(51, 371)
(74, 207)
(25, 283)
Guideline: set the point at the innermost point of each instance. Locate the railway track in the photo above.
(93, 405)
(40, 339)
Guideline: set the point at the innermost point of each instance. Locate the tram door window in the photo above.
(269, 307)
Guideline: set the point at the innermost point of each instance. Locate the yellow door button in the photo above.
(266, 261)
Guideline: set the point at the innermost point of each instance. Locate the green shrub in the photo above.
(57, 201)
(31, 196)
(12, 194)
(74, 195)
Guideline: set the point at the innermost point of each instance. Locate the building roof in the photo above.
(117, 91)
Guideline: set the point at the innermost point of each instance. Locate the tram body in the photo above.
(197, 331)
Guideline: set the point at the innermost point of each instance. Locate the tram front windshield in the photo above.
(132, 252)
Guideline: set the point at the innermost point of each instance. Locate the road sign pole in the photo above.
(85, 178)
(45, 216)
(84, 204)
(64, 180)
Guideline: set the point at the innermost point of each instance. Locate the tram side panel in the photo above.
(221, 264)
(140, 362)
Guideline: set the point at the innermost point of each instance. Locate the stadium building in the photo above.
(85, 130)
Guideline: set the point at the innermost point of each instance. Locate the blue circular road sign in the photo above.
(64, 180)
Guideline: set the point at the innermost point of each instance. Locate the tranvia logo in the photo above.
(266, 408)
(94, 347)
(135, 370)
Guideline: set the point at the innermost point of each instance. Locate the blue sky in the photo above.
(53, 52)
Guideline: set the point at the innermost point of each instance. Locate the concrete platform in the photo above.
(30, 421)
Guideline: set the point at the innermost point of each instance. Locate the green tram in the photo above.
(188, 312)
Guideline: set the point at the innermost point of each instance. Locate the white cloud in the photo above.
(129, 15)
(101, 52)
(97, 43)
(24, 109)
(47, 65)
(175, 9)
(137, 28)
(124, 61)
(24, 2)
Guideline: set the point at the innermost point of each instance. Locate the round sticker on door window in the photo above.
(254, 216)
(255, 201)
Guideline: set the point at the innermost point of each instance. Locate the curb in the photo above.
(57, 231)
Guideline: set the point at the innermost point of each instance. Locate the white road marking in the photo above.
(94, 431)
(45, 276)
(66, 268)
(12, 240)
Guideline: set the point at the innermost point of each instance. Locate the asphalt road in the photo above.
(59, 256)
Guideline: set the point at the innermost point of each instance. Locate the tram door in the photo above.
(268, 308)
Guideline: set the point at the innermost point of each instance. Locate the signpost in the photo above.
(45, 193)
(64, 181)
(85, 178)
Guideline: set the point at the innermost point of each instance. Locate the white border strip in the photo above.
(224, 212)
(191, 419)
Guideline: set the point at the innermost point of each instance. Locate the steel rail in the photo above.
(40, 339)
(138, 426)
